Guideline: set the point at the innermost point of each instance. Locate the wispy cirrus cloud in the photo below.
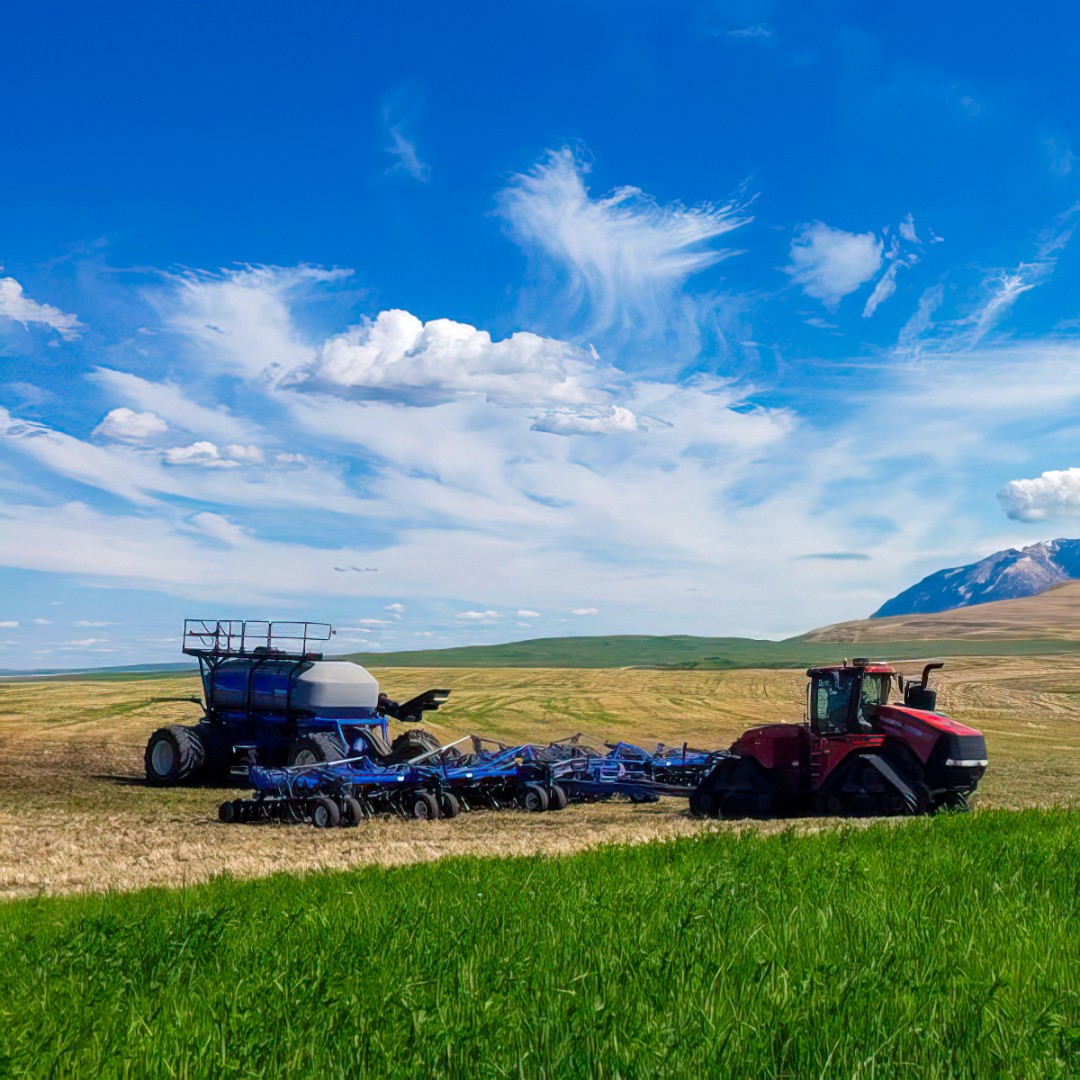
(621, 259)
(16, 306)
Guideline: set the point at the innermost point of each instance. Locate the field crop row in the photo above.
(946, 946)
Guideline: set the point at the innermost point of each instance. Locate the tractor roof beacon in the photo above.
(855, 753)
(270, 698)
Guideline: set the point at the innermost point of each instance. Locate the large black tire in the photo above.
(352, 811)
(449, 807)
(423, 807)
(174, 755)
(314, 747)
(557, 797)
(412, 743)
(324, 813)
(534, 798)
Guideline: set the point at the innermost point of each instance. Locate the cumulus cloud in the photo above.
(172, 404)
(18, 307)
(130, 426)
(830, 263)
(525, 613)
(209, 456)
(198, 453)
(622, 257)
(614, 420)
(395, 355)
(585, 611)
(1054, 494)
(397, 610)
(8, 623)
(478, 616)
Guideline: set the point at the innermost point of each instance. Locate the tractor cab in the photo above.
(845, 700)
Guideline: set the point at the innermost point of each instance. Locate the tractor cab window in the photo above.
(874, 692)
(832, 710)
(831, 701)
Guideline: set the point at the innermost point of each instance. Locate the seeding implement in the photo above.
(270, 699)
(312, 737)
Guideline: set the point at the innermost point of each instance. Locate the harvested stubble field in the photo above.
(76, 816)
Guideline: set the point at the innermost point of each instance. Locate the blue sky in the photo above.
(472, 323)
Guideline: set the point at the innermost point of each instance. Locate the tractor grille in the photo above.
(967, 747)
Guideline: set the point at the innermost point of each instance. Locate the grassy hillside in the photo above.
(699, 652)
(940, 947)
(1053, 615)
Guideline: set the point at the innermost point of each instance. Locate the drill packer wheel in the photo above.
(324, 813)
(423, 806)
(534, 798)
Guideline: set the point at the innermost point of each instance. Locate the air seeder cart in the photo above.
(271, 699)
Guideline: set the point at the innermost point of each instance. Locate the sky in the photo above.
(467, 323)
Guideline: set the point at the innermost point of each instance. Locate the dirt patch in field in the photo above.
(75, 815)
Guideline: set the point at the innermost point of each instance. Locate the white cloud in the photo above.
(1054, 494)
(218, 528)
(524, 613)
(18, 307)
(911, 339)
(397, 610)
(42, 622)
(585, 611)
(623, 257)
(8, 623)
(830, 263)
(907, 230)
(886, 284)
(757, 32)
(89, 623)
(396, 355)
(478, 616)
(403, 148)
(374, 622)
(1005, 288)
(171, 403)
(241, 320)
(129, 426)
(613, 420)
(246, 455)
(198, 453)
(210, 456)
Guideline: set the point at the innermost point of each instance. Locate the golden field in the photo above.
(75, 814)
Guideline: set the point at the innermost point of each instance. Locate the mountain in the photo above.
(1050, 616)
(1005, 575)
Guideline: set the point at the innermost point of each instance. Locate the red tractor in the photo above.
(856, 754)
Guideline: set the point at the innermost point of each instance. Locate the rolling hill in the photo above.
(1047, 623)
(1053, 615)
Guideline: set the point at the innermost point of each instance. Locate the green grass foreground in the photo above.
(940, 947)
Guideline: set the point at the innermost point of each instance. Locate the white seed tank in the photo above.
(322, 687)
